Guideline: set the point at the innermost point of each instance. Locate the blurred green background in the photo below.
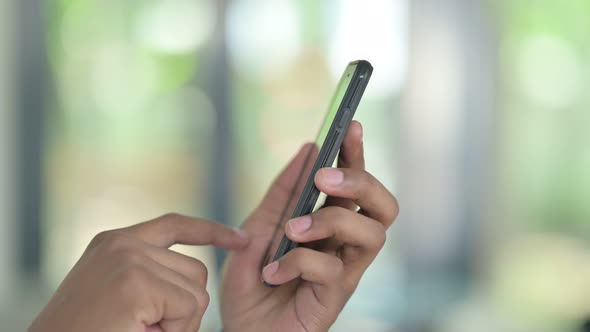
(114, 112)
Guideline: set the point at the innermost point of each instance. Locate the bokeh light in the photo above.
(121, 79)
(543, 280)
(175, 26)
(378, 33)
(550, 71)
(273, 31)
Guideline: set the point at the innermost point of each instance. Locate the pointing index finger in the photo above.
(173, 228)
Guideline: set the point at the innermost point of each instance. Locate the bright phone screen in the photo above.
(310, 160)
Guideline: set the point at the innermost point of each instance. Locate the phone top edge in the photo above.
(363, 64)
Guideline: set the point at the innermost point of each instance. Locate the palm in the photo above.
(249, 305)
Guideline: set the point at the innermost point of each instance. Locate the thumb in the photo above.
(287, 185)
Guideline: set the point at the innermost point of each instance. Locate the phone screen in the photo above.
(310, 159)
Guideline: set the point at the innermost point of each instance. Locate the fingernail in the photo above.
(270, 270)
(300, 225)
(362, 133)
(333, 176)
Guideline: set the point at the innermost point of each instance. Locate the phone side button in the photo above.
(344, 117)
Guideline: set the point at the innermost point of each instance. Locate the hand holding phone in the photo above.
(322, 153)
(335, 244)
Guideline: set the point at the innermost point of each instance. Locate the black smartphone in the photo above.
(305, 197)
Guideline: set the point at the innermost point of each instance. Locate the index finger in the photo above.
(174, 228)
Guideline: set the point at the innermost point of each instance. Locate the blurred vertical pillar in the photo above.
(7, 150)
(217, 85)
(445, 152)
(32, 73)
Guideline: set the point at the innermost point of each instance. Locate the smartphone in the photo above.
(305, 197)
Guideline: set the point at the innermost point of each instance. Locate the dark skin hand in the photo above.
(128, 280)
(338, 245)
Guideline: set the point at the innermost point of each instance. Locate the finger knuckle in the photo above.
(132, 278)
(328, 215)
(392, 212)
(130, 286)
(112, 241)
(131, 257)
(169, 216)
(199, 272)
(203, 299)
(365, 181)
(300, 254)
(193, 304)
(334, 211)
(368, 179)
(332, 270)
(340, 220)
(380, 239)
(100, 238)
(395, 209)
